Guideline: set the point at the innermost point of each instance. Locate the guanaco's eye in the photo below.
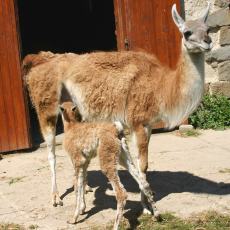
(187, 34)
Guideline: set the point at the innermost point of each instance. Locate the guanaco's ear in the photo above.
(62, 109)
(74, 108)
(206, 12)
(178, 20)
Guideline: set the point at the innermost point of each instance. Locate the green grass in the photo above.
(226, 170)
(11, 226)
(188, 133)
(202, 221)
(191, 133)
(33, 226)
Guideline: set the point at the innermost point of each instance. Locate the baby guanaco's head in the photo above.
(70, 113)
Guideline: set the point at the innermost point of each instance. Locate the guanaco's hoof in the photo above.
(72, 221)
(55, 204)
(146, 211)
(158, 216)
(88, 189)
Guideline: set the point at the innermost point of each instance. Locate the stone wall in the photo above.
(217, 66)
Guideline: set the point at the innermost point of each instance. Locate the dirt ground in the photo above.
(189, 175)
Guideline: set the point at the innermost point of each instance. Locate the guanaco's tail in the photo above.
(32, 60)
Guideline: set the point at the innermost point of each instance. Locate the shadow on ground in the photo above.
(162, 182)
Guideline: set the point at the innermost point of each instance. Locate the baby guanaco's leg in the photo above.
(108, 155)
(79, 194)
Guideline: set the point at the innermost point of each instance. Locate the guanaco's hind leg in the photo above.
(45, 92)
(48, 128)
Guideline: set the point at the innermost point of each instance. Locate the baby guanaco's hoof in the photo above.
(60, 202)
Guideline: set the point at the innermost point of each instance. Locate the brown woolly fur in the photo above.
(133, 88)
(83, 141)
(127, 85)
(32, 60)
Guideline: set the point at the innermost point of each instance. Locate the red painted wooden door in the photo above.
(14, 125)
(148, 25)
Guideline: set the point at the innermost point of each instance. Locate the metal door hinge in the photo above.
(127, 44)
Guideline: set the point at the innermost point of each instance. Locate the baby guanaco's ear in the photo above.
(62, 109)
(77, 113)
(74, 108)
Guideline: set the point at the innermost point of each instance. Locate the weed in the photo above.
(11, 226)
(226, 170)
(15, 180)
(188, 133)
(203, 221)
(43, 167)
(33, 226)
(213, 113)
(191, 133)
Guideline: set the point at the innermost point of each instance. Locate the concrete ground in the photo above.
(189, 175)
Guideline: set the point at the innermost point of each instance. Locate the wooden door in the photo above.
(148, 25)
(14, 125)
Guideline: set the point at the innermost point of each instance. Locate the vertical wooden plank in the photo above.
(174, 41)
(4, 139)
(7, 130)
(148, 25)
(119, 12)
(13, 113)
(19, 99)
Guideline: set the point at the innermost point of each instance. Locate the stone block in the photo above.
(224, 71)
(225, 35)
(219, 18)
(220, 88)
(221, 3)
(185, 128)
(214, 64)
(219, 55)
(211, 74)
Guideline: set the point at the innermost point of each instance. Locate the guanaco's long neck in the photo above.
(189, 79)
(193, 65)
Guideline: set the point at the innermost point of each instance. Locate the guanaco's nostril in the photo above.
(207, 39)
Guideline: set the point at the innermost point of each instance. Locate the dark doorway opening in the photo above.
(77, 26)
(67, 26)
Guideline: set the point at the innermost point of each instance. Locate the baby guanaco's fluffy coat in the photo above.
(83, 141)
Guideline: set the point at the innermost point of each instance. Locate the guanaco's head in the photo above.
(70, 113)
(194, 32)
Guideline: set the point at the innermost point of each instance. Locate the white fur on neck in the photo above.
(192, 89)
